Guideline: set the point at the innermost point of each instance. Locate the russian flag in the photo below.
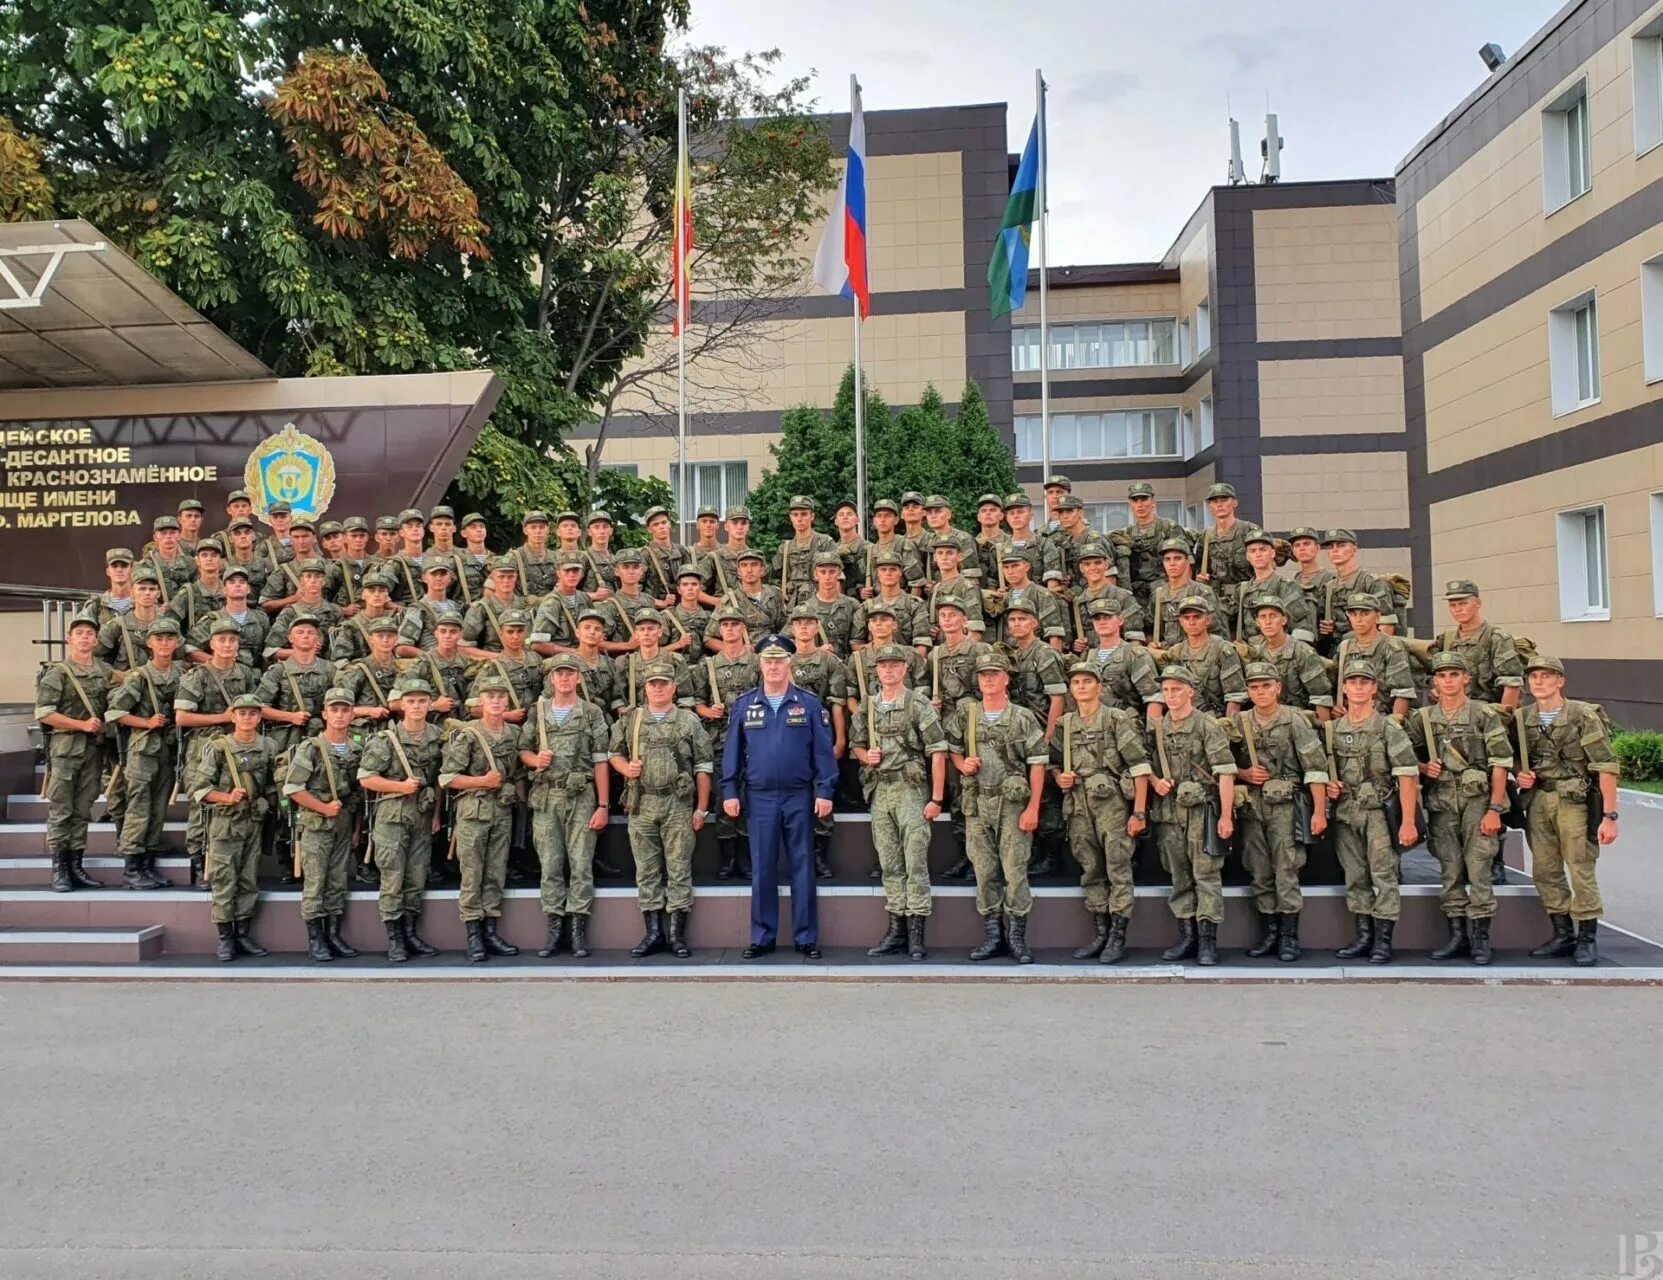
(840, 263)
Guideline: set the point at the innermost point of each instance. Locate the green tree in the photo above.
(368, 186)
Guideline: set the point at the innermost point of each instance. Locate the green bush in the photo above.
(1641, 755)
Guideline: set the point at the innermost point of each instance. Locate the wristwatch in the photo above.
(1612, 816)
(1498, 808)
(937, 800)
(1141, 817)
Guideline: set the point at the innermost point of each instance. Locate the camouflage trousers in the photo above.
(1197, 876)
(325, 864)
(71, 790)
(115, 786)
(902, 838)
(566, 852)
(1369, 863)
(1272, 857)
(482, 855)
(233, 863)
(1562, 857)
(402, 837)
(661, 838)
(1464, 857)
(999, 851)
(149, 783)
(1097, 837)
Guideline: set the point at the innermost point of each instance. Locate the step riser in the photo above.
(36, 873)
(80, 952)
(724, 921)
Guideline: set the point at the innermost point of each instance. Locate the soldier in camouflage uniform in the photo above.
(242, 553)
(718, 679)
(474, 560)
(70, 701)
(885, 516)
(519, 669)
(854, 551)
(950, 585)
(322, 784)
(1386, 656)
(1350, 579)
(400, 767)
(912, 615)
(665, 558)
(532, 558)
(823, 674)
(205, 593)
(759, 603)
(663, 754)
(173, 566)
(481, 764)
(797, 556)
(418, 626)
(1569, 768)
(1306, 684)
(1100, 763)
(251, 623)
(1096, 566)
(1313, 578)
(350, 639)
(952, 678)
(990, 532)
(482, 623)
(1282, 754)
(649, 635)
(231, 777)
(311, 604)
(1220, 687)
(1139, 547)
(721, 566)
(834, 610)
(938, 519)
(1130, 680)
(203, 707)
(1013, 572)
(1175, 587)
(686, 620)
(625, 603)
(903, 757)
(1467, 757)
(1222, 559)
(599, 680)
(1368, 751)
(371, 680)
(291, 690)
(1242, 622)
(142, 705)
(1196, 781)
(554, 627)
(1071, 538)
(998, 748)
(601, 580)
(120, 641)
(118, 570)
(1044, 560)
(1037, 682)
(565, 751)
(916, 535)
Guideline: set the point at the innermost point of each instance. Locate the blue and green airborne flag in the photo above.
(1007, 274)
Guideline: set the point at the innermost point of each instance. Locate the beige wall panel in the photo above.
(1195, 489)
(1331, 397)
(18, 634)
(1102, 302)
(1194, 260)
(1506, 539)
(1326, 273)
(1354, 490)
(1488, 386)
(1487, 215)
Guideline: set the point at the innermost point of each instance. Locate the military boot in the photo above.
(61, 882)
(822, 856)
(1206, 942)
(1271, 940)
(961, 870)
(1498, 869)
(1381, 953)
(132, 872)
(476, 941)
(1114, 950)
(245, 941)
(1459, 943)
(1562, 943)
(653, 940)
(1099, 937)
(727, 865)
(1362, 944)
(915, 938)
(317, 949)
(1019, 940)
(413, 942)
(1185, 946)
(580, 936)
(1480, 931)
(1587, 943)
(226, 951)
(993, 939)
(199, 874)
(365, 873)
(678, 935)
(894, 938)
(78, 873)
(742, 846)
(153, 879)
(494, 942)
(551, 947)
(397, 948)
(1046, 863)
(1288, 950)
(332, 935)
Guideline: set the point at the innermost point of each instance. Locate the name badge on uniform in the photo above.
(796, 713)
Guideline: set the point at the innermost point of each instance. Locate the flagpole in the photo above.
(682, 193)
(860, 391)
(1044, 316)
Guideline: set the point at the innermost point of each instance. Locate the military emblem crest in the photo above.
(290, 467)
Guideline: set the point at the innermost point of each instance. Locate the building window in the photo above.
(1651, 317)
(1565, 169)
(1186, 432)
(715, 484)
(1133, 433)
(1573, 354)
(1186, 347)
(1648, 87)
(1206, 427)
(1203, 328)
(1122, 344)
(622, 468)
(1106, 517)
(1584, 574)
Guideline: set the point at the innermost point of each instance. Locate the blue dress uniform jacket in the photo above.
(778, 763)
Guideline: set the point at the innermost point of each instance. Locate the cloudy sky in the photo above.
(1141, 92)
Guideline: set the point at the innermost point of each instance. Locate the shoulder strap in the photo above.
(542, 726)
(294, 688)
(231, 762)
(716, 699)
(322, 748)
(375, 685)
(127, 643)
(1426, 728)
(398, 750)
(80, 690)
(513, 698)
(970, 729)
(150, 683)
(1245, 719)
(1160, 746)
(635, 734)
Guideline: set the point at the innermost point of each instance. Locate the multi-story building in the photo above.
(1531, 241)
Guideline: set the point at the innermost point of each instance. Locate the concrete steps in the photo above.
(29, 871)
(80, 944)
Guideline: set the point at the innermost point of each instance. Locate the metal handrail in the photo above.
(58, 607)
(24, 591)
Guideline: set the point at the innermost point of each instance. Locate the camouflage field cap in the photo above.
(1010, 553)
(629, 555)
(1357, 669)
(191, 504)
(567, 516)
(330, 529)
(886, 504)
(473, 517)
(1090, 669)
(1338, 535)
(805, 613)
(1221, 491)
(935, 502)
(990, 500)
(887, 559)
(304, 619)
(876, 608)
(436, 564)
(598, 517)
(708, 513)
(409, 685)
(243, 522)
(238, 495)
(337, 696)
(441, 513)
(378, 625)
(1448, 661)
(411, 515)
(802, 502)
(1460, 589)
(147, 573)
(234, 570)
(1261, 671)
(1361, 602)
(1543, 662)
(846, 502)
(1057, 481)
(1095, 550)
(571, 560)
(1142, 489)
(912, 498)
(1304, 531)
(1269, 602)
(563, 662)
(224, 626)
(505, 564)
(247, 702)
(163, 627)
(892, 653)
(649, 617)
(534, 517)
(1182, 674)
(829, 560)
(939, 606)
(118, 555)
(388, 524)
(992, 662)
(302, 524)
(1195, 604)
(690, 571)
(1018, 500)
(739, 513)
(727, 613)
(1068, 502)
(312, 565)
(375, 580)
(1258, 535)
(492, 684)
(751, 553)
(652, 513)
(162, 524)
(352, 524)
(1022, 604)
(660, 670)
(520, 618)
(1104, 608)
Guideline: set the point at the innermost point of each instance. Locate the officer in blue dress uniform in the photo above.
(779, 762)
